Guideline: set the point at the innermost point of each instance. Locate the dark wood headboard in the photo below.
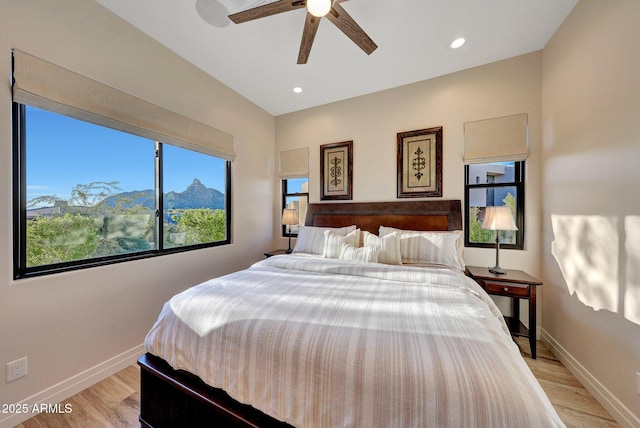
(369, 216)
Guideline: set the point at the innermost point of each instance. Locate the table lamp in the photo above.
(289, 217)
(498, 218)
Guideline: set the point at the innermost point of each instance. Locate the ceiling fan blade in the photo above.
(267, 10)
(341, 19)
(311, 24)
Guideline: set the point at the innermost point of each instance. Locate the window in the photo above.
(194, 202)
(295, 194)
(494, 184)
(88, 195)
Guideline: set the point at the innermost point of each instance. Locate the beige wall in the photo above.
(84, 320)
(591, 173)
(581, 95)
(372, 121)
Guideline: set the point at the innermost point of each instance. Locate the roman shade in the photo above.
(294, 163)
(39, 83)
(496, 140)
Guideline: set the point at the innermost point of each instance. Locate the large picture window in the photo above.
(87, 194)
(494, 184)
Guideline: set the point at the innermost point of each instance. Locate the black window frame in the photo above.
(20, 270)
(286, 194)
(519, 183)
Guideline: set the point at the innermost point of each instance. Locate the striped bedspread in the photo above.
(329, 343)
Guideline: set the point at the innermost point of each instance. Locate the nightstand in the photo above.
(275, 252)
(517, 285)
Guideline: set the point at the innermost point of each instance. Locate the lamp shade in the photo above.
(318, 8)
(290, 216)
(498, 218)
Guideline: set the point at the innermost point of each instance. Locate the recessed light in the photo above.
(297, 89)
(457, 43)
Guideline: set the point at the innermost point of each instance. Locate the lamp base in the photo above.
(289, 250)
(497, 270)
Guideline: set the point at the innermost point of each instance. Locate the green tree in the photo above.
(60, 238)
(91, 224)
(93, 195)
(479, 235)
(510, 201)
(201, 225)
(476, 232)
(509, 236)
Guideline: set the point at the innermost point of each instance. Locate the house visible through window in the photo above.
(295, 194)
(494, 184)
(89, 195)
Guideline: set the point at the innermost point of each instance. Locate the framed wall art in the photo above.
(336, 171)
(420, 163)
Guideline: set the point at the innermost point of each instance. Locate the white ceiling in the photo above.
(258, 58)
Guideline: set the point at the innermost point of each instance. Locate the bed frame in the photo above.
(369, 216)
(171, 398)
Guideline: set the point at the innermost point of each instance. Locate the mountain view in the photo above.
(92, 226)
(197, 195)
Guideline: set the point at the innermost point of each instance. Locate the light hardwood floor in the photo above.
(115, 401)
(575, 405)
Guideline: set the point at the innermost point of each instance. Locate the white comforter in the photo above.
(329, 343)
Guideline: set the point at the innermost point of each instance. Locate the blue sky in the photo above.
(63, 152)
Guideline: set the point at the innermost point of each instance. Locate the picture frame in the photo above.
(336, 171)
(419, 163)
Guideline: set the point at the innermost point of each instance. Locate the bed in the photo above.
(339, 334)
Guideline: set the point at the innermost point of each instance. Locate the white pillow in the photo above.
(442, 248)
(311, 238)
(333, 242)
(362, 254)
(389, 247)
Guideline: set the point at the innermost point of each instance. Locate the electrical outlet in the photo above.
(16, 369)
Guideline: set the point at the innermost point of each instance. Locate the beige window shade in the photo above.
(41, 84)
(294, 163)
(496, 140)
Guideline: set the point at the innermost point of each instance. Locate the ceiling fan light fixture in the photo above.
(318, 8)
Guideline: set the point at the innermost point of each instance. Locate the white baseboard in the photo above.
(615, 407)
(69, 387)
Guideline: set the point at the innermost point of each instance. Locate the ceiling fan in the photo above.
(316, 10)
